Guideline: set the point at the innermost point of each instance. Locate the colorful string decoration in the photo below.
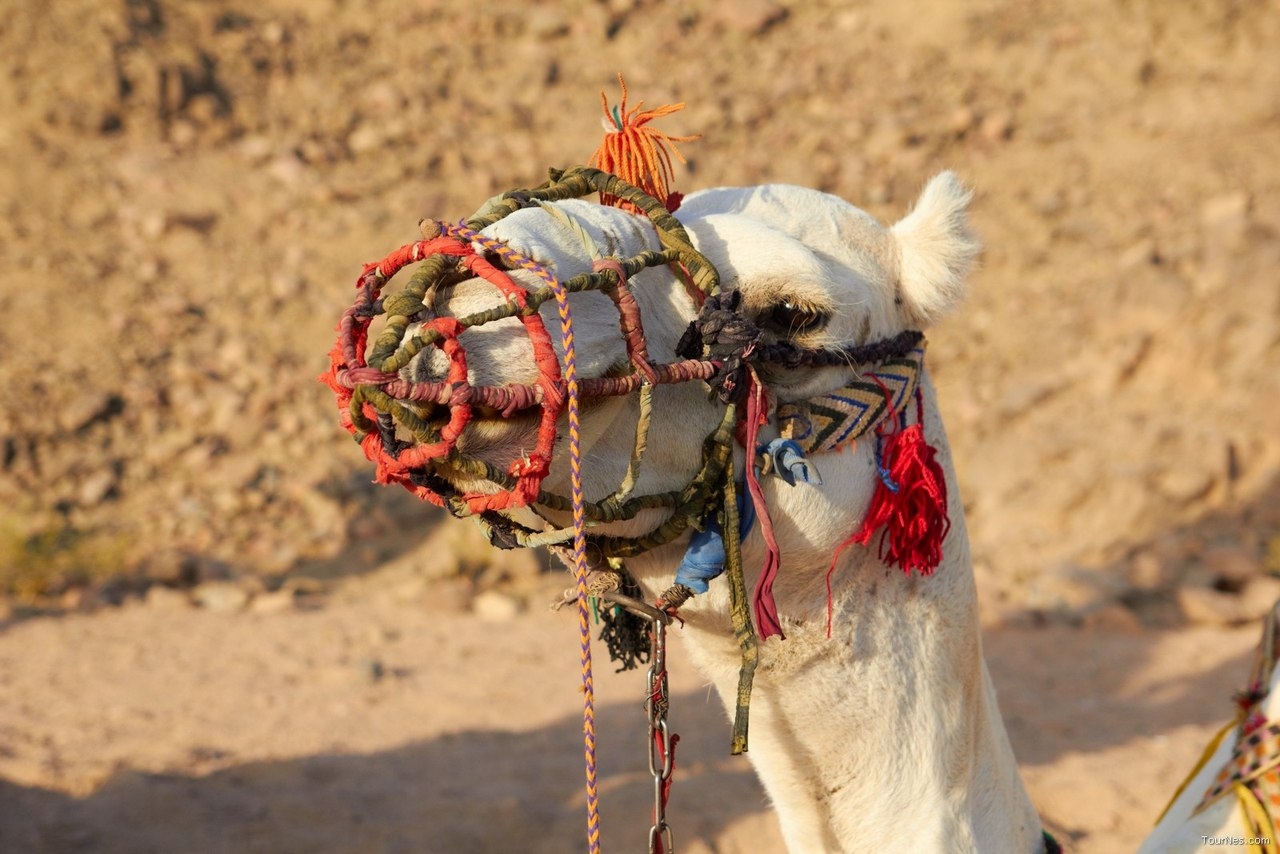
(637, 152)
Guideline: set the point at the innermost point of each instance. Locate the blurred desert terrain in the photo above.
(218, 635)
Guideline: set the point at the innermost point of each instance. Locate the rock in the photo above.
(449, 596)
(997, 126)
(366, 137)
(1204, 605)
(1233, 566)
(407, 590)
(962, 120)
(1120, 362)
(164, 598)
(274, 33)
(494, 606)
(221, 597)
(90, 408)
(376, 635)
(1048, 203)
(546, 22)
(172, 567)
(205, 568)
(1226, 217)
(1148, 572)
(320, 151)
(436, 557)
(1140, 254)
(303, 585)
(256, 148)
(287, 169)
(1156, 609)
(371, 670)
(516, 563)
(97, 487)
(1184, 485)
(1224, 227)
(1112, 617)
(284, 286)
(880, 193)
(108, 593)
(275, 602)
(1020, 398)
(1069, 589)
(183, 133)
(1259, 596)
(752, 17)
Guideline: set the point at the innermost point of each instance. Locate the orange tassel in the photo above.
(914, 515)
(638, 153)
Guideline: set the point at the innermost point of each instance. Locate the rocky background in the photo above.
(191, 189)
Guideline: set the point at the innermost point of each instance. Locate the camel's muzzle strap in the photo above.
(411, 429)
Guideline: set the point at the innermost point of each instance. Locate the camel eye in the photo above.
(790, 319)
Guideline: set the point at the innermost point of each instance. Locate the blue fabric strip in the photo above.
(704, 559)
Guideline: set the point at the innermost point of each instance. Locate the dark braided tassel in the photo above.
(625, 635)
(721, 333)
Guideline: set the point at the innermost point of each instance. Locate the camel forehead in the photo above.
(771, 264)
(764, 262)
(829, 225)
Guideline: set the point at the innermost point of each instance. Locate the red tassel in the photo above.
(915, 516)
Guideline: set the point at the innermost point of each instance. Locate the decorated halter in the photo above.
(411, 430)
(382, 409)
(1250, 772)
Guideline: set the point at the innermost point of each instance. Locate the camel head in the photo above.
(805, 272)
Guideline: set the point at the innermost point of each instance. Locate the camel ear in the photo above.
(936, 249)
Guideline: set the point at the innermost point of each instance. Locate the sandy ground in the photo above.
(217, 635)
(367, 725)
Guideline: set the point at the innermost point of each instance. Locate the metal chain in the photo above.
(657, 704)
(661, 745)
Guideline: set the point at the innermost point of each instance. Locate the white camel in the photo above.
(885, 735)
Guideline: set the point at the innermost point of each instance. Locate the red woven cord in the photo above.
(766, 609)
(914, 517)
(835, 558)
(532, 469)
(628, 318)
(515, 397)
(347, 356)
(408, 254)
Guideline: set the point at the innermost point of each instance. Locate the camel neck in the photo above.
(888, 730)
